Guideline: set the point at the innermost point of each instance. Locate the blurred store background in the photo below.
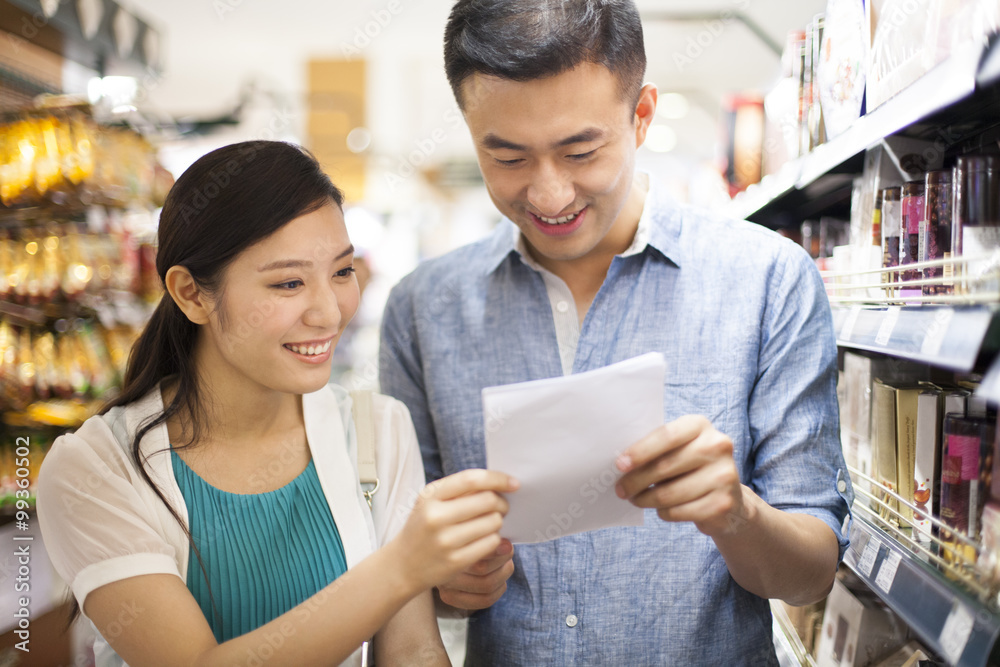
(827, 120)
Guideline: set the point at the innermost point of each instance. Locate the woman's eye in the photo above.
(344, 273)
(289, 285)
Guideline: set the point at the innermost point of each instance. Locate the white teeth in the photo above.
(310, 350)
(558, 221)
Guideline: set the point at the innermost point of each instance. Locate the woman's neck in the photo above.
(233, 410)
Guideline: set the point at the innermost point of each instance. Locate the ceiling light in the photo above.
(359, 139)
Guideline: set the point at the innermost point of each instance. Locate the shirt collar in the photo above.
(659, 228)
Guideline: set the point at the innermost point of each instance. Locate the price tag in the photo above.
(935, 332)
(887, 572)
(888, 324)
(867, 561)
(849, 322)
(956, 631)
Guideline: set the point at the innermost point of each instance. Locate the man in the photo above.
(745, 483)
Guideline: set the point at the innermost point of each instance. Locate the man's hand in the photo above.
(482, 584)
(685, 470)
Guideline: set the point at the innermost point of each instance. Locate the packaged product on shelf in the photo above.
(988, 562)
(906, 449)
(925, 462)
(897, 56)
(781, 107)
(910, 655)
(841, 69)
(892, 219)
(877, 220)
(857, 631)
(884, 448)
(857, 409)
(966, 468)
(812, 130)
(911, 213)
(959, 23)
(806, 621)
(935, 229)
(975, 216)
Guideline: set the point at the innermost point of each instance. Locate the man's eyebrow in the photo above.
(493, 142)
(300, 263)
(590, 134)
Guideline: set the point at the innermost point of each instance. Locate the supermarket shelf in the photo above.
(945, 619)
(943, 336)
(989, 388)
(795, 188)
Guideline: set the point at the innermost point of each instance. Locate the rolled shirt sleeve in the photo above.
(97, 525)
(799, 466)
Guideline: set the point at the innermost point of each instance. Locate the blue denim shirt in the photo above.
(741, 316)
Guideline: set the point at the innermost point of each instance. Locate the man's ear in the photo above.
(187, 295)
(645, 109)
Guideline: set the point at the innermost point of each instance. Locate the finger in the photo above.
(477, 550)
(707, 508)
(464, 508)
(489, 565)
(662, 440)
(707, 448)
(470, 481)
(461, 534)
(689, 487)
(466, 582)
(471, 601)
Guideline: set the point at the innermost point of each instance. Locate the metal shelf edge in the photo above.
(921, 597)
(946, 337)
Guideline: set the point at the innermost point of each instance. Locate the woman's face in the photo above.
(284, 303)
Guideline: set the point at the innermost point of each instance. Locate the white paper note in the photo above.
(560, 438)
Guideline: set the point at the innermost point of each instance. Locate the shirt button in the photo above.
(562, 307)
(571, 621)
(841, 486)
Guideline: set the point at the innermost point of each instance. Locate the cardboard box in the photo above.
(906, 448)
(884, 435)
(926, 462)
(856, 632)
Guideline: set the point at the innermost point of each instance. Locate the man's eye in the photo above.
(582, 156)
(508, 163)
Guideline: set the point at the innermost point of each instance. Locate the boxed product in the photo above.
(884, 435)
(841, 68)
(907, 401)
(897, 56)
(806, 621)
(856, 631)
(925, 463)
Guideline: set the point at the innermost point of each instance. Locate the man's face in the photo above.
(558, 157)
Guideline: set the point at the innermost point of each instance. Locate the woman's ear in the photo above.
(187, 295)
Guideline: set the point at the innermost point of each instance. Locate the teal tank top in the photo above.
(264, 553)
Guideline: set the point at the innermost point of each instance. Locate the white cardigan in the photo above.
(102, 523)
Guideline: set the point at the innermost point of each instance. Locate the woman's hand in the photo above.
(454, 523)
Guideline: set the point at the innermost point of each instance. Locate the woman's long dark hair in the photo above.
(225, 202)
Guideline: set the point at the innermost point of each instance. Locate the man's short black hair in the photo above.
(524, 40)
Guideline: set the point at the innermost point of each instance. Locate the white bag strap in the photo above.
(364, 429)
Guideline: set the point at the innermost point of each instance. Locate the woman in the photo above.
(210, 515)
